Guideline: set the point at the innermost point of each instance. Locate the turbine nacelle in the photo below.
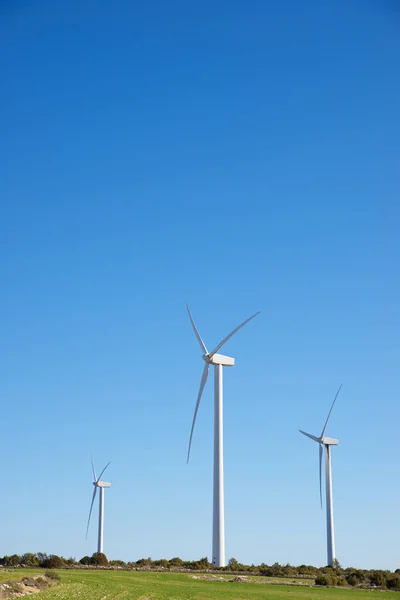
(327, 441)
(219, 359)
(102, 484)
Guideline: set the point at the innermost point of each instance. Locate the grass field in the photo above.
(134, 585)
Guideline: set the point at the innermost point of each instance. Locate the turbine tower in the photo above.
(98, 485)
(218, 361)
(326, 443)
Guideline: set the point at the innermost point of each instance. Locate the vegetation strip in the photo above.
(303, 575)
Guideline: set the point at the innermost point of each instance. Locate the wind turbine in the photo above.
(218, 361)
(327, 442)
(98, 485)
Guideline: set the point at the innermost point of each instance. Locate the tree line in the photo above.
(327, 576)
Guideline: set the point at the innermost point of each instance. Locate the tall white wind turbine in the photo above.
(218, 361)
(326, 443)
(98, 485)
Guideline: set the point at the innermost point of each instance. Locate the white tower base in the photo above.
(330, 533)
(101, 520)
(218, 549)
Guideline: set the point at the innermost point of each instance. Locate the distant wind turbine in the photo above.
(218, 361)
(98, 485)
(327, 442)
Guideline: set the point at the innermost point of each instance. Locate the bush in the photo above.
(202, 563)
(176, 562)
(52, 575)
(99, 559)
(53, 562)
(11, 561)
(393, 583)
(324, 580)
(144, 562)
(41, 582)
(162, 562)
(378, 578)
(29, 559)
(328, 579)
(352, 579)
(85, 560)
(115, 563)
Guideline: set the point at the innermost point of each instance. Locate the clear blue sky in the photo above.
(240, 156)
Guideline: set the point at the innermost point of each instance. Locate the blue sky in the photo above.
(239, 156)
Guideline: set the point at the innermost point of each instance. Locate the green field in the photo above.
(136, 585)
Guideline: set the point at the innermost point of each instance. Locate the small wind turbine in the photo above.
(327, 442)
(218, 361)
(98, 485)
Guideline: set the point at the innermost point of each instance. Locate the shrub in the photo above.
(53, 562)
(378, 578)
(202, 563)
(52, 575)
(352, 579)
(144, 562)
(29, 559)
(162, 562)
(176, 562)
(330, 579)
(11, 561)
(115, 563)
(99, 559)
(41, 582)
(393, 583)
(324, 579)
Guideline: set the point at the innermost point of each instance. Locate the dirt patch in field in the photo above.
(27, 585)
(208, 577)
(258, 580)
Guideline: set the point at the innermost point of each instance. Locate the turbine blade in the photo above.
(94, 472)
(232, 333)
(326, 422)
(102, 472)
(202, 384)
(312, 437)
(91, 508)
(196, 331)
(320, 473)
